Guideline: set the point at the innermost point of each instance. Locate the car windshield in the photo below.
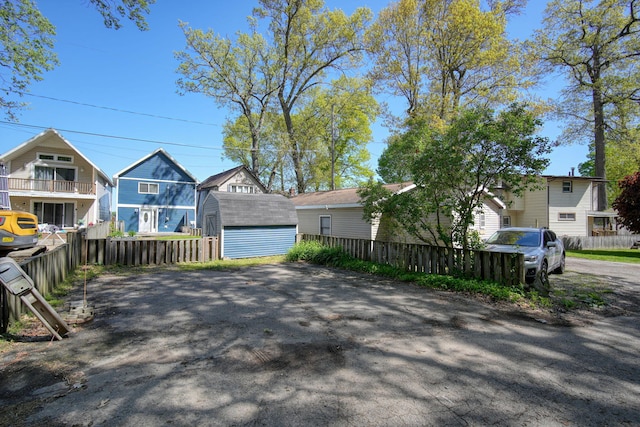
(515, 237)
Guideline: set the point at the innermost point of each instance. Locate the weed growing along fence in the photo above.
(505, 268)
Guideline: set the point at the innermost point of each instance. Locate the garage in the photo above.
(249, 225)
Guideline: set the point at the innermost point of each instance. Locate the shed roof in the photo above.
(242, 209)
(347, 197)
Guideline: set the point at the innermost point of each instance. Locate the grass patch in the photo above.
(176, 237)
(231, 263)
(615, 255)
(56, 297)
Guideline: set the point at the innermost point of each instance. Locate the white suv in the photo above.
(543, 252)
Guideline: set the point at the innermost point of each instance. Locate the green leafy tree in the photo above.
(257, 75)
(597, 44)
(309, 42)
(238, 142)
(457, 168)
(402, 150)
(444, 55)
(238, 74)
(334, 126)
(27, 42)
(628, 202)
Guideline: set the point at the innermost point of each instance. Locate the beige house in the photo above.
(237, 180)
(561, 203)
(49, 177)
(339, 213)
(565, 204)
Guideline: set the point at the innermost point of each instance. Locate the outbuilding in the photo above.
(249, 225)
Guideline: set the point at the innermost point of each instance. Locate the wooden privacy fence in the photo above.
(151, 252)
(506, 268)
(624, 241)
(49, 269)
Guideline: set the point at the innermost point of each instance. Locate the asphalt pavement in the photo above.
(295, 344)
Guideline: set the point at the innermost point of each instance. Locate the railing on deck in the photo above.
(503, 268)
(51, 186)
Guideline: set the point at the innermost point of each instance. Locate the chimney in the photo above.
(573, 172)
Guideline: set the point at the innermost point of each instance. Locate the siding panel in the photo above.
(247, 242)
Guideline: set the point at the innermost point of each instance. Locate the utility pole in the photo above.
(333, 149)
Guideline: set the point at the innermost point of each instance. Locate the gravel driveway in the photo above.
(294, 344)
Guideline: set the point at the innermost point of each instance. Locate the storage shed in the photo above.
(249, 225)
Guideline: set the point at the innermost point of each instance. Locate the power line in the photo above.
(102, 135)
(119, 110)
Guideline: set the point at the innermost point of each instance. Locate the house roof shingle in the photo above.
(347, 197)
(242, 209)
(218, 179)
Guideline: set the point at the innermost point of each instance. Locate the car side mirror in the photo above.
(551, 244)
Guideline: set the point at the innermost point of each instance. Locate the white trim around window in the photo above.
(566, 216)
(148, 188)
(51, 157)
(324, 224)
(567, 186)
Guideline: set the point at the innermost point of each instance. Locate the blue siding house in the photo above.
(155, 195)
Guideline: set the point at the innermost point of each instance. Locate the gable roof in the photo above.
(148, 156)
(344, 198)
(25, 146)
(216, 180)
(242, 209)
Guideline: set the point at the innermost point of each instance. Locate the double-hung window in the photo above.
(148, 188)
(325, 225)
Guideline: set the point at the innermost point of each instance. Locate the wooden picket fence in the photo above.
(506, 268)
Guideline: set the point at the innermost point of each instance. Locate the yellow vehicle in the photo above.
(18, 230)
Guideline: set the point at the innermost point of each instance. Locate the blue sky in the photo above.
(105, 76)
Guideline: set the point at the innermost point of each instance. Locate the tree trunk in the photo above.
(293, 146)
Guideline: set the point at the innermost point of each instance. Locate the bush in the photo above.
(316, 253)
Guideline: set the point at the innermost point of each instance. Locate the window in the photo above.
(481, 220)
(63, 179)
(567, 186)
(58, 214)
(506, 221)
(325, 225)
(567, 216)
(55, 157)
(234, 188)
(147, 188)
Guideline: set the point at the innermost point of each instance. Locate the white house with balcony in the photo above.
(50, 178)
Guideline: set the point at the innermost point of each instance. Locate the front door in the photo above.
(147, 223)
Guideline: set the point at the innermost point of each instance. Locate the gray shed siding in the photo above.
(248, 242)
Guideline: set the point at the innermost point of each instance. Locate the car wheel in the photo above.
(541, 282)
(560, 268)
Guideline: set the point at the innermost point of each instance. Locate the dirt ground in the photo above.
(295, 344)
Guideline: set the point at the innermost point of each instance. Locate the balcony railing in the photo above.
(51, 186)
